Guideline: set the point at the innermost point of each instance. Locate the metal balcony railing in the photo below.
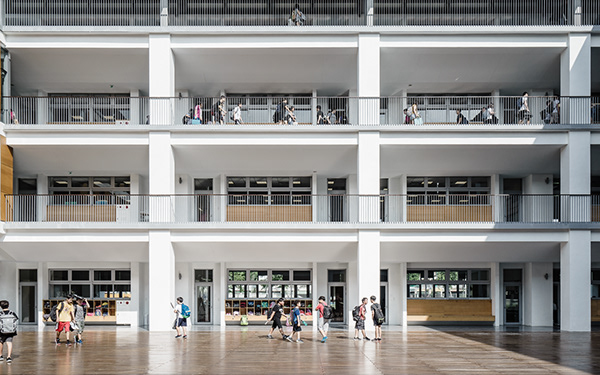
(304, 208)
(434, 110)
(128, 13)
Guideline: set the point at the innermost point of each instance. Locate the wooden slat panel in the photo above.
(596, 310)
(458, 310)
(6, 175)
(449, 213)
(269, 213)
(81, 213)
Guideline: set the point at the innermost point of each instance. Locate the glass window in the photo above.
(276, 291)
(122, 291)
(59, 290)
(428, 290)
(239, 291)
(595, 275)
(252, 291)
(383, 276)
(122, 182)
(459, 182)
(230, 291)
(80, 182)
(480, 182)
(203, 275)
(237, 275)
(479, 291)
(80, 275)
(82, 290)
(203, 184)
(415, 275)
(512, 275)
(414, 291)
(480, 275)
(258, 182)
(59, 182)
(102, 290)
(102, 275)
(263, 291)
(280, 182)
(301, 182)
(436, 275)
(288, 291)
(440, 291)
(458, 275)
(556, 275)
(59, 275)
(303, 291)
(102, 182)
(415, 182)
(595, 290)
(235, 182)
(27, 275)
(301, 275)
(259, 275)
(436, 182)
(280, 276)
(335, 276)
(122, 275)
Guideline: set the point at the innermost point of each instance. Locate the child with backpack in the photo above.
(378, 318)
(8, 330)
(325, 315)
(183, 312)
(358, 314)
(296, 323)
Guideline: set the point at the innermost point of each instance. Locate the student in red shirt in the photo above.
(325, 315)
(360, 323)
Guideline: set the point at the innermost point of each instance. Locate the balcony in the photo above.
(383, 210)
(125, 111)
(152, 13)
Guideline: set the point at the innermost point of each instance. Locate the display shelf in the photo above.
(98, 311)
(257, 309)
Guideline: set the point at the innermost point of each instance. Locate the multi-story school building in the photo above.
(110, 192)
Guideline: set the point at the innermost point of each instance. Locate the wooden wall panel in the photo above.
(449, 213)
(97, 213)
(596, 310)
(450, 310)
(6, 175)
(269, 213)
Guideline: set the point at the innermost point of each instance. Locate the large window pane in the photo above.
(276, 291)
(81, 290)
(436, 275)
(263, 291)
(252, 291)
(259, 182)
(335, 276)
(102, 275)
(301, 182)
(415, 275)
(237, 275)
(203, 276)
(480, 275)
(301, 275)
(280, 276)
(415, 182)
(440, 291)
(479, 291)
(280, 182)
(259, 275)
(80, 275)
(239, 291)
(59, 290)
(235, 182)
(27, 275)
(458, 275)
(102, 290)
(414, 291)
(122, 275)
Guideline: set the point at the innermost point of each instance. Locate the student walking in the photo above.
(325, 314)
(360, 322)
(183, 312)
(275, 316)
(81, 305)
(65, 315)
(320, 118)
(237, 114)
(524, 114)
(8, 330)
(378, 317)
(296, 324)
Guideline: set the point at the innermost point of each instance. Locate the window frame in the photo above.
(424, 282)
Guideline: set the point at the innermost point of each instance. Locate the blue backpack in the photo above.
(185, 311)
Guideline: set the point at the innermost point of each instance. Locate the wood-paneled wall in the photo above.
(269, 213)
(6, 175)
(449, 213)
(450, 310)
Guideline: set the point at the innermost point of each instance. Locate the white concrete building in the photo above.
(107, 192)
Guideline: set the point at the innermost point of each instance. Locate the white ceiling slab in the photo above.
(470, 252)
(80, 160)
(265, 252)
(469, 70)
(331, 161)
(68, 70)
(77, 251)
(469, 160)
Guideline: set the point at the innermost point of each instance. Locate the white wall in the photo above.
(537, 301)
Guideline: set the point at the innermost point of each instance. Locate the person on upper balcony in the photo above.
(524, 114)
(297, 18)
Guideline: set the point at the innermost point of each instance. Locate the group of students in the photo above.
(69, 316)
(324, 314)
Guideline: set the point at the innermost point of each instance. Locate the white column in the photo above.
(42, 201)
(353, 297)
(42, 108)
(313, 108)
(42, 292)
(220, 300)
(537, 302)
(368, 176)
(315, 295)
(161, 258)
(134, 107)
(576, 79)
(368, 86)
(136, 296)
(161, 175)
(575, 276)
(538, 208)
(161, 79)
(368, 269)
(403, 294)
(496, 293)
(575, 176)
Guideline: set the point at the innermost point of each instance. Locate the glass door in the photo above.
(28, 303)
(203, 303)
(337, 300)
(512, 304)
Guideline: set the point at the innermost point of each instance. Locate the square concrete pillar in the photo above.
(161, 281)
(575, 276)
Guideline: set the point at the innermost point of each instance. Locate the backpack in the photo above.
(327, 312)
(185, 311)
(244, 320)
(270, 311)
(378, 314)
(356, 313)
(54, 312)
(8, 322)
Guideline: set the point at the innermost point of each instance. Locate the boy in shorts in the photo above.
(296, 323)
(65, 313)
(7, 338)
(276, 319)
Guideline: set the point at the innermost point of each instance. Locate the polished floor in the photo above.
(247, 351)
